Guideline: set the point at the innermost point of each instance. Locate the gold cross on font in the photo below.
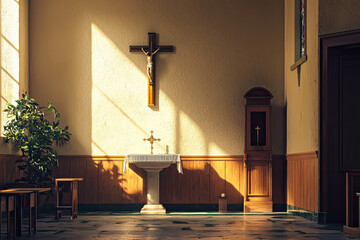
(151, 139)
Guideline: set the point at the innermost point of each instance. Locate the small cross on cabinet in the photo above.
(150, 51)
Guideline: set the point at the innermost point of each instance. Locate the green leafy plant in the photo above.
(35, 136)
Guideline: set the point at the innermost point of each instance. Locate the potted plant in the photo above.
(35, 135)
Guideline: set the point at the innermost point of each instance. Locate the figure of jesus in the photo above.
(149, 68)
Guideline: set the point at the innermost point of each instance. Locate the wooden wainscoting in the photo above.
(104, 180)
(302, 181)
(8, 170)
(204, 178)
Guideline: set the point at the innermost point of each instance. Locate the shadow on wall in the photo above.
(105, 183)
(203, 89)
(201, 183)
(207, 90)
(199, 186)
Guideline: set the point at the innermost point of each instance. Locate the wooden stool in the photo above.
(222, 204)
(74, 190)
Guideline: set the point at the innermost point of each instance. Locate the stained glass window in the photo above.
(300, 33)
(302, 28)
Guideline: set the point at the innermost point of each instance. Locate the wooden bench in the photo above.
(12, 199)
(33, 207)
(74, 191)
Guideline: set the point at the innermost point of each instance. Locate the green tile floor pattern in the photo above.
(110, 225)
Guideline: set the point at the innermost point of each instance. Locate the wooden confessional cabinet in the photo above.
(257, 153)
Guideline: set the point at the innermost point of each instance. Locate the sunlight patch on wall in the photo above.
(214, 149)
(10, 61)
(9, 51)
(192, 138)
(10, 21)
(120, 115)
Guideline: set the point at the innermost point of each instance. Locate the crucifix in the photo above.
(257, 134)
(150, 52)
(151, 139)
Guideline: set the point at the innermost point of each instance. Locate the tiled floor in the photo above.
(106, 225)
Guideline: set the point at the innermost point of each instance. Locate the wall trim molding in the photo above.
(93, 157)
(301, 156)
(312, 216)
(212, 157)
(183, 157)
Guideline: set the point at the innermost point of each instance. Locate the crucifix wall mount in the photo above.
(150, 51)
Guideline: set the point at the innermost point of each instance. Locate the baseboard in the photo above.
(258, 207)
(322, 216)
(137, 207)
(49, 208)
(354, 231)
(215, 207)
(279, 207)
(202, 207)
(303, 213)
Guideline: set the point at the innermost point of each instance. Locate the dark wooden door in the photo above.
(339, 120)
(349, 81)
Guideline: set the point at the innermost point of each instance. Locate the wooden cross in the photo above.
(151, 139)
(257, 134)
(150, 52)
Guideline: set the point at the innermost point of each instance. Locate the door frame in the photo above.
(328, 43)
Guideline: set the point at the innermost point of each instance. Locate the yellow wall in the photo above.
(302, 102)
(338, 16)
(79, 59)
(14, 74)
(323, 17)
